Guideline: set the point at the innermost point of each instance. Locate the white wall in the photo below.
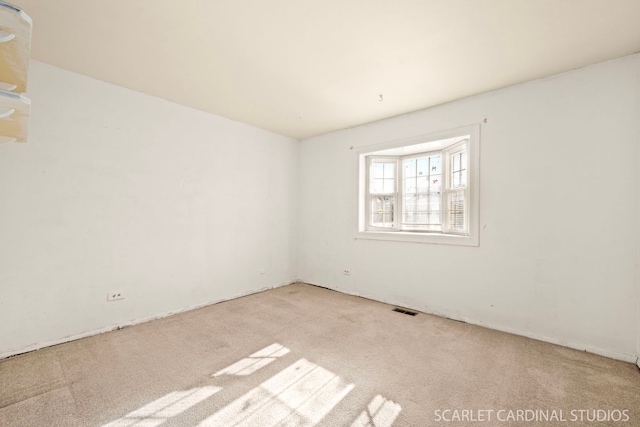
(117, 190)
(559, 213)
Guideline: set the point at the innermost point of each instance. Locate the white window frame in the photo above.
(385, 160)
(445, 142)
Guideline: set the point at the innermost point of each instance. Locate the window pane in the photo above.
(409, 209)
(422, 210)
(459, 170)
(408, 217)
(456, 162)
(376, 204)
(389, 170)
(378, 169)
(381, 204)
(423, 184)
(420, 218)
(387, 205)
(456, 211)
(434, 218)
(410, 185)
(410, 203)
(409, 167)
(382, 211)
(422, 166)
(422, 203)
(434, 203)
(435, 165)
(378, 185)
(435, 184)
(382, 178)
(389, 186)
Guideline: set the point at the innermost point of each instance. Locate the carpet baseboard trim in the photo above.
(74, 337)
(629, 358)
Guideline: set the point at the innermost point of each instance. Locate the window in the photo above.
(422, 189)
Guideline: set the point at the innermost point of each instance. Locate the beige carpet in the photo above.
(303, 356)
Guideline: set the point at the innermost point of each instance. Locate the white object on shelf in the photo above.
(8, 113)
(15, 35)
(7, 86)
(6, 37)
(14, 117)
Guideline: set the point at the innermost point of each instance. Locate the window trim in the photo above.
(472, 199)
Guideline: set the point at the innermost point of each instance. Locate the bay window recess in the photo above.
(423, 189)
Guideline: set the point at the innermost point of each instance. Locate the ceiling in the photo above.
(305, 67)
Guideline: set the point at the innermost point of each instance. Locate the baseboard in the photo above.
(38, 346)
(570, 344)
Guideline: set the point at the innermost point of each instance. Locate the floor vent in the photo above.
(403, 311)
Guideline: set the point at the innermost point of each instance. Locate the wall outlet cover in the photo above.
(115, 296)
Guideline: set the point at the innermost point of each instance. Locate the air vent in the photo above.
(403, 311)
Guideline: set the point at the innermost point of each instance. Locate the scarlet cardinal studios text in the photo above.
(531, 415)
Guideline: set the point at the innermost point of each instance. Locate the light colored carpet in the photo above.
(303, 356)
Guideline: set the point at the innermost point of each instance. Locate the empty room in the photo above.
(358, 213)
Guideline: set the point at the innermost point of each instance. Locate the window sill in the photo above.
(407, 236)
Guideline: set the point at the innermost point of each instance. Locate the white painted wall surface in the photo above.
(117, 190)
(559, 213)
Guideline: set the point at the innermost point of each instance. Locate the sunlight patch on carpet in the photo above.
(380, 412)
(301, 394)
(168, 406)
(255, 361)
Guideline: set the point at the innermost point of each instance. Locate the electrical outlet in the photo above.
(115, 295)
(346, 271)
